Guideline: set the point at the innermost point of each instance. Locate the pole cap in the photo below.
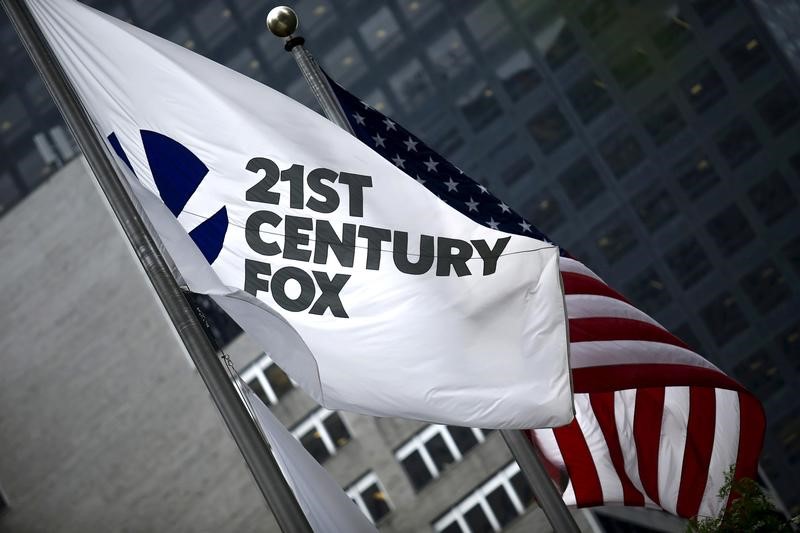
(282, 21)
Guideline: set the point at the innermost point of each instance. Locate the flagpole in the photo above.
(252, 445)
(282, 21)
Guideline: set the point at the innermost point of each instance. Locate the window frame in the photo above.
(417, 444)
(316, 421)
(478, 496)
(258, 369)
(355, 488)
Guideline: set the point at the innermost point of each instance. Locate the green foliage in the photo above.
(751, 511)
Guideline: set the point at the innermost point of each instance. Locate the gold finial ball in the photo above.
(282, 21)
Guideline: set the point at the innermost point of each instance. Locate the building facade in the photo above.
(657, 141)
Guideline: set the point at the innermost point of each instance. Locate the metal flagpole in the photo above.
(252, 445)
(282, 21)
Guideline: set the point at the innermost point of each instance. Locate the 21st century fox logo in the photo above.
(177, 173)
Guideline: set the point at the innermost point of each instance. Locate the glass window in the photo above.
(554, 40)
(789, 342)
(517, 170)
(723, 318)
(688, 262)
(737, 142)
(599, 15)
(518, 75)
(449, 142)
(14, 120)
(32, 168)
(377, 100)
(744, 53)
(703, 87)
(522, 488)
(315, 16)
(267, 380)
(773, 198)
(9, 193)
(672, 33)
(710, 10)
(765, 286)
(581, 182)
(479, 106)
(502, 506)
(589, 97)
(647, 291)
(549, 128)
(245, 62)
(544, 212)
(789, 437)
(449, 55)
(621, 152)
(38, 97)
(685, 333)
(418, 472)
(428, 453)
(418, 12)
(779, 108)
(491, 506)
(381, 32)
(411, 85)
(440, 452)
(792, 253)
(655, 207)
(344, 63)
(477, 520)
(662, 120)
(696, 174)
(213, 22)
(615, 240)
(370, 496)
(148, 13)
(730, 230)
(486, 23)
(322, 434)
(464, 438)
(630, 65)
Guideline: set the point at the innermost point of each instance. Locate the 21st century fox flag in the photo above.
(374, 295)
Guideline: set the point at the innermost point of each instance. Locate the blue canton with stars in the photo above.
(394, 143)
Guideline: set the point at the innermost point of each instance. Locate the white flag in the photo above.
(364, 287)
(324, 503)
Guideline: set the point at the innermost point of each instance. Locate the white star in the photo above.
(451, 185)
(492, 223)
(366, 105)
(483, 189)
(379, 140)
(399, 161)
(420, 181)
(389, 124)
(504, 207)
(411, 144)
(526, 228)
(358, 118)
(430, 164)
(472, 204)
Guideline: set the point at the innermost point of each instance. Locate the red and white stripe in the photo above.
(656, 424)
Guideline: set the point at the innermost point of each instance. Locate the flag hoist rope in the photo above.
(283, 22)
(243, 428)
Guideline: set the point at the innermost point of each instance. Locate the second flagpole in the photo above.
(282, 21)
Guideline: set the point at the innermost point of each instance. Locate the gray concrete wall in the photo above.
(104, 425)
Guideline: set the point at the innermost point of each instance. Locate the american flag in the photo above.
(656, 424)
